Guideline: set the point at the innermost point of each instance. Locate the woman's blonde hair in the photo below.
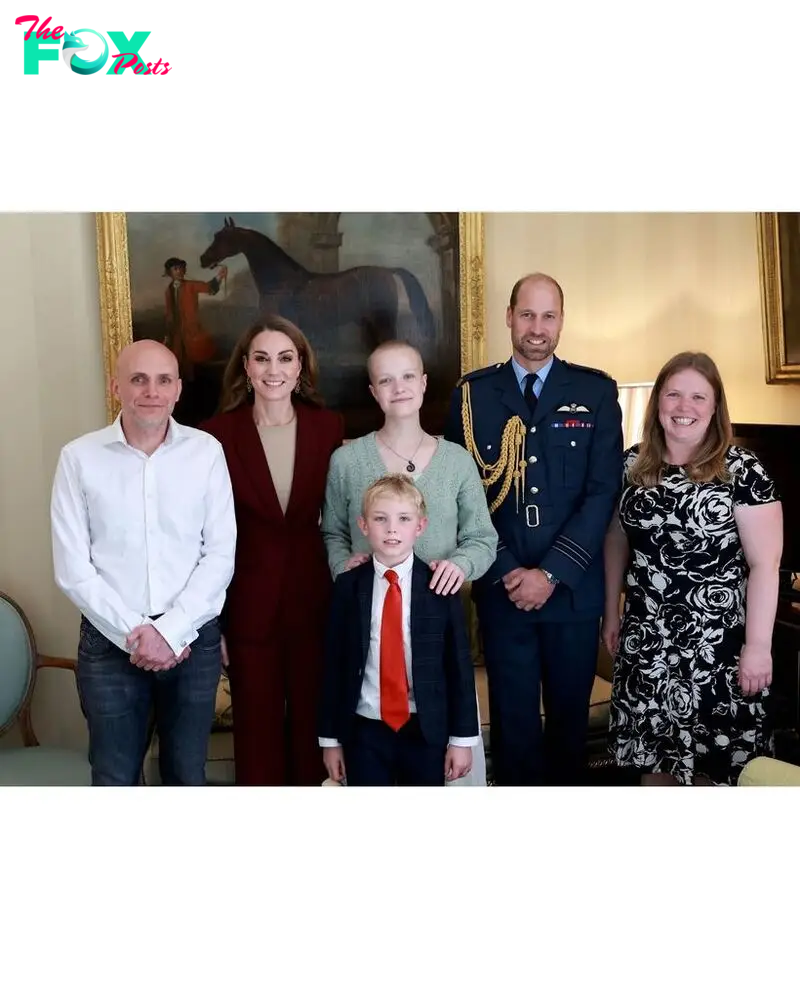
(708, 464)
(234, 381)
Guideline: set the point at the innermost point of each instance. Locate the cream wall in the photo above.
(638, 288)
(51, 389)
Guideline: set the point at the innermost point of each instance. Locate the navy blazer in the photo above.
(443, 674)
(572, 458)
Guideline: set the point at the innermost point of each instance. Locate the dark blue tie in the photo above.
(530, 395)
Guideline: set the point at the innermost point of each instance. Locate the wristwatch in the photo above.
(551, 579)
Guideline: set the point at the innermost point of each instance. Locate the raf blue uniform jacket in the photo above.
(572, 453)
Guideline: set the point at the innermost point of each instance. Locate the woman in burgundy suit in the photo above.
(278, 440)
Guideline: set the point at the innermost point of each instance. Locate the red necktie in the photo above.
(394, 680)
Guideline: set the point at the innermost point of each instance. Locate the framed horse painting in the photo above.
(779, 263)
(349, 281)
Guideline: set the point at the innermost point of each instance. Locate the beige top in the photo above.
(279, 447)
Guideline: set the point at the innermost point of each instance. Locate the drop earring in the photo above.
(249, 384)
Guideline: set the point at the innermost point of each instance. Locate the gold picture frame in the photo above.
(116, 306)
(779, 272)
(116, 316)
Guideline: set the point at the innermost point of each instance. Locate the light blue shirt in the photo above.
(522, 374)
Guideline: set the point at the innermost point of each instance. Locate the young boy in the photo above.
(398, 702)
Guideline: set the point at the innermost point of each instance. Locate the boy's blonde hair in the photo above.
(400, 486)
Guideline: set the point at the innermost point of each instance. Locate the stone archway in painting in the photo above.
(311, 238)
(315, 240)
(445, 242)
(322, 240)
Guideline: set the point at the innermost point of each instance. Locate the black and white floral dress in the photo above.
(676, 704)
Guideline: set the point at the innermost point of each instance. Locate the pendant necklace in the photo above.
(410, 467)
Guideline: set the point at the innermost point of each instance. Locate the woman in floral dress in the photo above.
(697, 536)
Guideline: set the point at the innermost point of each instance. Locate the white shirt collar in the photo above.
(402, 570)
(522, 373)
(114, 434)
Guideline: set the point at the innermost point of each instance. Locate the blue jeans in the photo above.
(121, 702)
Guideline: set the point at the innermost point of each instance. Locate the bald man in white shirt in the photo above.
(144, 536)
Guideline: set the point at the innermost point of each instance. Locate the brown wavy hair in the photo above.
(708, 463)
(234, 381)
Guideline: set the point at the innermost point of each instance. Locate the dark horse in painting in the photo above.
(317, 303)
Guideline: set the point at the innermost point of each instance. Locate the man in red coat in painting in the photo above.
(187, 339)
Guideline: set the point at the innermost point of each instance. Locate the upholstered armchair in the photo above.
(31, 765)
(763, 771)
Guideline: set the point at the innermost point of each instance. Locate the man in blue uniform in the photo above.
(546, 436)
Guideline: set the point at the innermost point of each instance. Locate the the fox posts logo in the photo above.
(85, 50)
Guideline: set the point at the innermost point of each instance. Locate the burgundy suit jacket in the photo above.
(281, 575)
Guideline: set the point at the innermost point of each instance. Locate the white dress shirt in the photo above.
(369, 703)
(135, 536)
